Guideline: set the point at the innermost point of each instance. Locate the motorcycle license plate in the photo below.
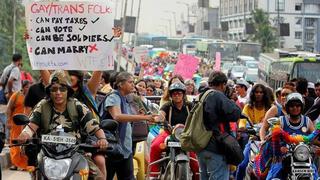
(58, 139)
(174, 144)
(302, 171)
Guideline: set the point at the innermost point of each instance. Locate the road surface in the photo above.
(14, 175)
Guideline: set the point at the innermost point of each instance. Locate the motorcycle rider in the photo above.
(59, 94)
(179, 108)
(259, 102)
(294, 123)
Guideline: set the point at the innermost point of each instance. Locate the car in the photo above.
(226, 67)
(236, 72)
(252, 66)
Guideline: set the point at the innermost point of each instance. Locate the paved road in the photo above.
(15, 175)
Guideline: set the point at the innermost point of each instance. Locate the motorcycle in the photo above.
(174, 163)
(298, 162)
(60, 156)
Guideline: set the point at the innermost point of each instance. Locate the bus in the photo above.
(202, 46)
(189, 40)
(249, 49)
(174, 44)
(228, 51)
(154, 40)
(282, 70)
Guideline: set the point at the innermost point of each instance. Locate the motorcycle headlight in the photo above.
(301, 152)
(56, 169)
(178, 129)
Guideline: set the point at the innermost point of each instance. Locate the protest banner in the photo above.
(186, 66)
(70, 35)
(140, 54)
(217, 65)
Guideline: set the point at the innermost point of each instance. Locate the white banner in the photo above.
(70, 35)
(140, 54)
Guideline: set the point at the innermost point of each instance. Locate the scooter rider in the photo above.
(294, 123)
(59, 95)
(179, 108)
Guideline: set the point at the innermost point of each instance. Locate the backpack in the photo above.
(3, 84)
(103, 114)
(195, 136)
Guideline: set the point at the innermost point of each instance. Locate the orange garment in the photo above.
(17, 157)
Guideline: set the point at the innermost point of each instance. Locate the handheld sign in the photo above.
(217, 66)
(186, 66)
(70, 35)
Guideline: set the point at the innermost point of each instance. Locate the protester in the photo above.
(174, 112)
(11, 76)
(276, 110)
(16, 106)
(59, 93)
(166, 96)
(119, 110)
(243, 95)
(218, 112)
(105, 86)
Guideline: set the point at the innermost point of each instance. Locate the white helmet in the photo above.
(294, 97)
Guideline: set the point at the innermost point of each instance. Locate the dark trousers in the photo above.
(123, 169)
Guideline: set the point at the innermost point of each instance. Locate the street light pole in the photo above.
(169, 25)
(121, 38)
(179, 2)
(137, 24)
(175, 20)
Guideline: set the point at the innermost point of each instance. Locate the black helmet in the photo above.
(178, 86)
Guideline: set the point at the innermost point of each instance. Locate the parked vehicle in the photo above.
(236, 72)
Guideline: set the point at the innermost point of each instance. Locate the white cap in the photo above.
(311, 85)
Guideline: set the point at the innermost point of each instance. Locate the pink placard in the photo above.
(186, 66)
(217, 66)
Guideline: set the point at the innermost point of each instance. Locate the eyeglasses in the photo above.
(150, 90)
(284, 94)
(61, 89)
(177, 93)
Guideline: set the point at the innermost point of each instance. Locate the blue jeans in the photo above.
(213, 166)
(3, 119)
(241, 169)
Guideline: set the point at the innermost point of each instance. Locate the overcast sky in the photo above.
(153, 12)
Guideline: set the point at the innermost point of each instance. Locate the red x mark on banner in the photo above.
(93, 48)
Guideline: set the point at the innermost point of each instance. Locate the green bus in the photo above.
(283, 70)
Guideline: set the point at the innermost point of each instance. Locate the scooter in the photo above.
(60, 156)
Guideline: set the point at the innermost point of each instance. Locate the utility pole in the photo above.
(14, 26)
(244, 20)
(278, 11)
(121, 38)
(137, 25)
(131, 14)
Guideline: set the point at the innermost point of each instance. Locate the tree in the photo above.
(6, 34)
(264, 32)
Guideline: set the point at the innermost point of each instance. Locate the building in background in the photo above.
(302, 16)
(207, 22)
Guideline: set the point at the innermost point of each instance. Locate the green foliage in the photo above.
(265, 33)
(6, 34)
